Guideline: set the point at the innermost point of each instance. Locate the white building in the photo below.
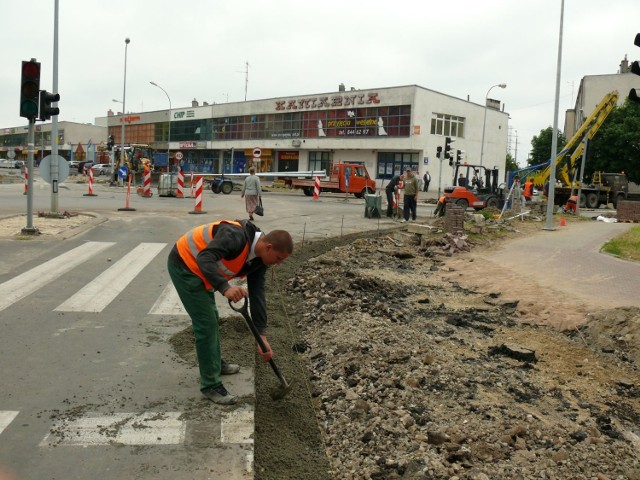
(386, 129)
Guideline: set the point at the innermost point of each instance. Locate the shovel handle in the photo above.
(244, 310)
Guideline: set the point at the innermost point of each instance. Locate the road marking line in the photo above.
(168, 303)
(32, 280)
(6, 417)
(237, 426)
(148, 428)
(99, 293)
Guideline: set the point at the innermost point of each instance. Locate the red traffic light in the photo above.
(29, 89)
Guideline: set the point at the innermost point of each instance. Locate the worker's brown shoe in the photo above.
(229, 368)
(219, 395)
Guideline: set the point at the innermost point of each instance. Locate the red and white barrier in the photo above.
(90, 192)
(26, 180)
(146, 191)
(180, 193)
(198, 205)
(316, 189)
(192, 184)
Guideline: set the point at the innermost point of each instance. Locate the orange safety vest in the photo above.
(528, 190)
(197, 239)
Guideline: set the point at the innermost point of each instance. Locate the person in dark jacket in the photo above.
(203, 261)
(391, 189)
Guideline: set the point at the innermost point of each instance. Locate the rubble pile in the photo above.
(414, 377)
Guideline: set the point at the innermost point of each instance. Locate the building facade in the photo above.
(593, 88)
(77, 141)
(386, 129)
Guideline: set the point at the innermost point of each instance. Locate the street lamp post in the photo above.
(169, 127)
(112, 156)
(484, 123)
(124, 99)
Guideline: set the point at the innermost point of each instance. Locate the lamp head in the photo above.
(503, 85)
(127, 40)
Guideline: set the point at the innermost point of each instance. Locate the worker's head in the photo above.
(274, 247)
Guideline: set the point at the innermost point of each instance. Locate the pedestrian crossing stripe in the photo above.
(6, 417)
(148, 428)
(100, 292)
(168, 303)
(31, 281)
(96, 295)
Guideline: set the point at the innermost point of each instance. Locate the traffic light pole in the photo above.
(30, 229)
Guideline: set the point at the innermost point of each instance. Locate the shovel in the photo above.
(281, 391)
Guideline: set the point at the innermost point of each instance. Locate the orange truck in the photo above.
(345, 178)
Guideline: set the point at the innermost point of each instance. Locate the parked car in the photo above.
(101, 169)
(83, 167)
(8, 163)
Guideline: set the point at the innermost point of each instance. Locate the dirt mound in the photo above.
(400, 371)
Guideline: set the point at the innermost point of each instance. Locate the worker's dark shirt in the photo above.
(393, 183)
(228, 242)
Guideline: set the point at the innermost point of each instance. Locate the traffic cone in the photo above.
(563, 222)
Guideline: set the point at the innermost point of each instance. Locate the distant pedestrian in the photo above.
(251, 191)
(410, 196)
(426, 180)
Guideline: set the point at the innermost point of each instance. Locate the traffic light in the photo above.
(46, 110)
(447, 150)
(29, 89)
(458, 156)
(439, 152)
(110, 143)
(635, 68)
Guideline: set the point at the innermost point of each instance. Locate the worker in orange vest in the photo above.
(572, 204)
(204, 260)
(528, 191)
(440, 209)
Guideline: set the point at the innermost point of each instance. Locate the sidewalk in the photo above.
(568, 259)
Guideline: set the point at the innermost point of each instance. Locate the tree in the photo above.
(541, 146)
(510, 164)
(616, 146)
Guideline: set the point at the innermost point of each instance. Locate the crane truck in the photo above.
(604, 187)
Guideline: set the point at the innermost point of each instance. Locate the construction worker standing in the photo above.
(528, 191)
(410, 196)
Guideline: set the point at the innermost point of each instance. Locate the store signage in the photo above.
(184, 114)
(187, 145)
(130, 118)
(336, 101)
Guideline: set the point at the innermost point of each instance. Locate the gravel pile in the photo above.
(415, 377)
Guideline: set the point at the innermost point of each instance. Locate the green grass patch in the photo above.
(626, 245)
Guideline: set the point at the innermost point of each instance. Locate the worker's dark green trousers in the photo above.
(200, 304)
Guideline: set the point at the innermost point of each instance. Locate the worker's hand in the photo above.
(235, 294)
(266, 356)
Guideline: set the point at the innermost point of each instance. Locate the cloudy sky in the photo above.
(199, 49)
